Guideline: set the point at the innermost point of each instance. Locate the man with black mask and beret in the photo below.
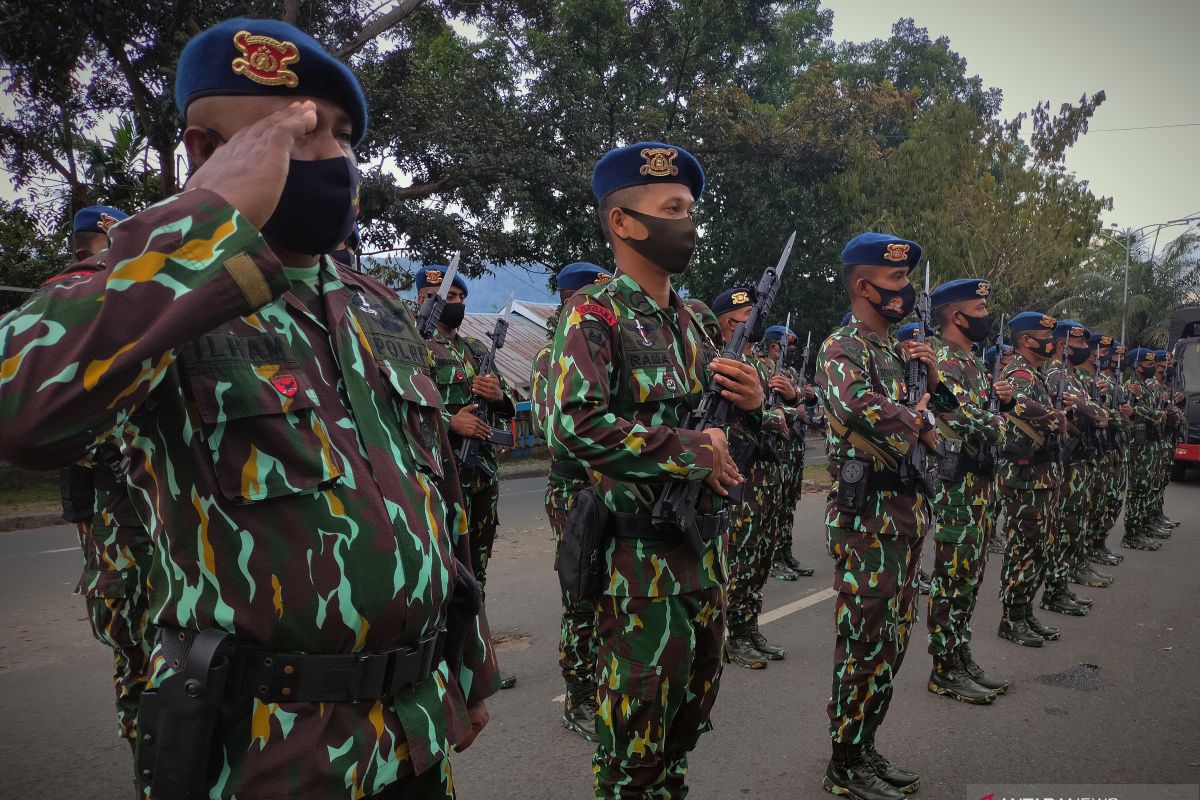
(320, 634)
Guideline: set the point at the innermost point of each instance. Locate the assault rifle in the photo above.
(773, 443)
(470, 452)
(1065, 444)
(991, 454)
(431, 307)
(914, 469)
(677, 506)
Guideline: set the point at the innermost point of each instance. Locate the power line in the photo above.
(1146, 127)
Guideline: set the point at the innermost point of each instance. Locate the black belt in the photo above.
(973, 465)
(569, 470)
(641, 526)
(889, 482)
(281, 677)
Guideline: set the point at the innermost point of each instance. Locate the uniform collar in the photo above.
(632, 295)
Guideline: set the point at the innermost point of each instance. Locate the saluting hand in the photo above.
(740, 381)
(487, 387)
(250, 169)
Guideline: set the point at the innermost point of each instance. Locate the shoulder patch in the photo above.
(1023, 374)
(597, 310)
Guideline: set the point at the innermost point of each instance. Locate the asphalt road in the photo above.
(1134, 719)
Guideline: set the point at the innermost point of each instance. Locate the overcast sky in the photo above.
(1142, 53)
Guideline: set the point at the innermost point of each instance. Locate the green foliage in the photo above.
(26, 257)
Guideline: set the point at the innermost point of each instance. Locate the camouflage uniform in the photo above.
(1112, 467)
(455, 363)
(1147, 419)
(577, 641)
(790, 476)
(876, 553)
(1030, 493)
(625, 372)
(288, 455)
(964, 509)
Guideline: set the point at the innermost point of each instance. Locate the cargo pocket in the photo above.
(418, 406)
(867, 607)
(953, 524)
(630, 716)
(110, 607)
(262, 430)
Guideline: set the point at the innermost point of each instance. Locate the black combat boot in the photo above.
(802, 571)
(850, 774)
(889, 773)
(923, 582)
(1086, 602)
(950, 679)
(1163, 519)
(507, 679)
(782, 572)
(1056, 600)
(1135, 541)
(976, 672)
(1084, 575)
(1099, 554)
(1014, 628)
(1047, 632)
(1109, 553)
(740, 650)
(579, 709)
(996, 543)
(771, 651)
(1156, 532)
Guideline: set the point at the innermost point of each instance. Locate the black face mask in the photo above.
(452, 315)
(670, 244)
(1045, 348)
(1078, 355)
(893, 305)
(317, 207)
(1146, 372)
(978, 328)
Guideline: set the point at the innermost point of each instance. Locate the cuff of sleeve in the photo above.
(700, 446)
(943, 399)
(243, 253)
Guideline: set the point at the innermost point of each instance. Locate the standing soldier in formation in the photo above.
(1102, 445)
(117, 550)
(965, 506)
(577, 643)
(784, 565)
(876, 520)
(456, 363)
(750, 545)
(285, 445)
(1086, 420)
(1173, 417)
(1115, 460)
(1029, 479)
(996, 541)
(630, 360)
(1140, 527)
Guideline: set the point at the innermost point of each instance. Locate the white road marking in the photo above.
(771, 616)
(60, 550)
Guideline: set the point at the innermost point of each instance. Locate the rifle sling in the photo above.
(862, 444)
(1039, 441)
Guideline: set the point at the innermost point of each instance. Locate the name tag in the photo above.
(217, 348)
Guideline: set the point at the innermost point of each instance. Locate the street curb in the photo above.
(20, 522)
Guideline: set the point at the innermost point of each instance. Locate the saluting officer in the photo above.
(630, 359)
(876, 520)
(285, 444)
(577, 642)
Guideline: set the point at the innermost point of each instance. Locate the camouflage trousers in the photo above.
(577, 637)
(1162, 477)
(658, 672)
(1029, 496)
(1138, 497)
(435, 783)
(964, 525)
(481, 497)
(1113, 469)
(118, 606)
(751, 546)
(1072, 530)
(876, 580)
(791, 486)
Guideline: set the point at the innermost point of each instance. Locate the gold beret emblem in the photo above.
(739, 298)
(984, 289)
(105, 222)
(433, 277)
(602, 277)
(1105, 341)
(896, 252)
(265, 60)
(1047, 322)
(660, 162)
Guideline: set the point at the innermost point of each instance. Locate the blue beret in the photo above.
(1140, 354)
(432, 276)
(1102, 339)
(580, 274)
(1161, 356)
(1069, 327)
(732, 299)
(960, 289)
(643, 163)
(776, 333)
(881, 250)
(1031, 321)
(96, 219)
(849, 315)
(907, 331)
(266, 57)
(989, 355)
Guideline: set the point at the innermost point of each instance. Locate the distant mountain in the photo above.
(490, 292)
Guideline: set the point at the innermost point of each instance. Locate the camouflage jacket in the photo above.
(456, 362)
(862, 383)
(1086, 416)
(289, 457)
(1108, 387)
(624, 374)
(1145, 404)
(972, 422)
(559, 489)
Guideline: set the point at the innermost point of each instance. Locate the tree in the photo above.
(27, 258)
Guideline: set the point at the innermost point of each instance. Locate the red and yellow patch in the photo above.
(659, 162)
(597, 310)
(265, 60)
(285, 384)
(896, 252)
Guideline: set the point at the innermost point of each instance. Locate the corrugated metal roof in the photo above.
(525, 338)
(535, 312)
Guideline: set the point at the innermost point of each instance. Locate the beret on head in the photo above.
(644, 163)
(433, 275)
(732, 300)
(776, 333)
(881, 250)
(989, 355)
(907, 331)
(1031, 321)
(580, 274)
(96, 219)
(1102, 339)
(266, 57)
(960, 289)
(1141, 355)
(1161, 356)
(1070, 327)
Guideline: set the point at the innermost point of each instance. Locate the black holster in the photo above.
(177, 721)
(853, 486)
(466, 600)
(950, 461)
(580, 558)
(77, 493)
